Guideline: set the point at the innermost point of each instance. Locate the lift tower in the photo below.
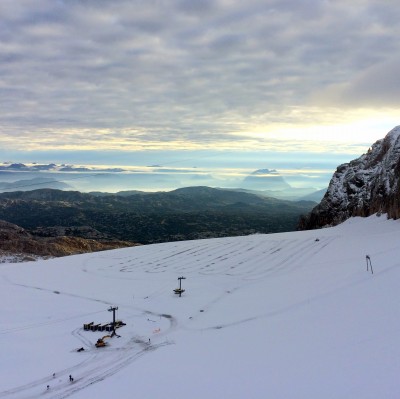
(180, 290)
(113, 309)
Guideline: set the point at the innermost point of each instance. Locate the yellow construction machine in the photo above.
(101, 341)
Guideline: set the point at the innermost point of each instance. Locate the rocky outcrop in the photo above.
(87, 232)
(365, 186)
(16, 244)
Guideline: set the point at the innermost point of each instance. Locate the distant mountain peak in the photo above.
(265, 172)
(265, 179)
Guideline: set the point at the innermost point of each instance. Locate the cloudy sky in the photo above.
(100, 81)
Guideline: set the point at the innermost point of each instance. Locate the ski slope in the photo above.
(290, 315)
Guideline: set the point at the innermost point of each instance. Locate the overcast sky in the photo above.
(132, 75)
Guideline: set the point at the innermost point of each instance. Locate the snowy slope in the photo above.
(263, 316)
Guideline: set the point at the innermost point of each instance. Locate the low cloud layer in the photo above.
(127, 74)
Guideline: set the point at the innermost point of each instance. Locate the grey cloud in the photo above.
(184, 68)
(376, 86)
(197, 8)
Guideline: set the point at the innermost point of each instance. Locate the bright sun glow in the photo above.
(353, 129)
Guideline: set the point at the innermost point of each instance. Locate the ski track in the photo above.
(98, 365)
(255, 259)
(259, 260)
(96, 368)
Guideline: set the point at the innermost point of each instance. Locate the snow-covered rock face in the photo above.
(367, 185)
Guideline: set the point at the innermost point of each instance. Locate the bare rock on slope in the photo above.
(16, 244)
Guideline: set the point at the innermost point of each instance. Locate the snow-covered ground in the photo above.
(291, 315)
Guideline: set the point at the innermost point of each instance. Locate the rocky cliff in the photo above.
(367, 185)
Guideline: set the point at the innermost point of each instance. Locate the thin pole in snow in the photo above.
(368, 259)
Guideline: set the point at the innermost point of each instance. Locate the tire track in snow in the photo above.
(99, 365)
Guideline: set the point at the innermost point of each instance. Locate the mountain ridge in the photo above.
(27, 177)
(183, 214)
